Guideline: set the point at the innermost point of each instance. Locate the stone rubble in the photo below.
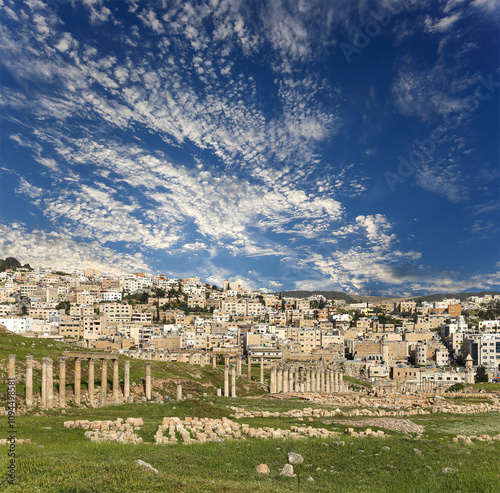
(402, 425)
(389, 406)
(109, 431)
(467, 440)
(201, 430)
(146, 466)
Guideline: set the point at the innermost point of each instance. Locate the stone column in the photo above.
(332, 387)
(341, 383)
(272, 383)
(62, 381)
(50, 384)
(191, 358)
(290, 380)
(296, 383)
(249, 369)
(318, 381)
(44, 383)
(116, 381)
(279, 379)
(327, 381)
(238, 365)
(202, 360)
(308, 380)
(91, 382)
(285, 380)
(262, 369)
(302, 380)
(179, 393)
(104, 377)
(336, 387)
(322, 380)
(148, 381)
(233, 381)
(214, 361)
(126, 381)
(29, 382)
(226, 380)
(78, 381)
(12, 367)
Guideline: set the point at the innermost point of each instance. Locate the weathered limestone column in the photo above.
(336, 387)
(318, 381)
(12, 366)
(272, 383)
(62, 381)
(78, 381)
(44, 383)
(214, 361)
(226, 380)
(179, 393)
(262, 369)
(50, 384)
(191, 358)
(104, 376)
(290, 380)
(313, 380)
(116, 381)
(327, 381)
(322, 380)
(279, 379)
(126, 381)
(29, 381)
(148, 381)
(341, 383)
(308, 379)
(332, 382)
(296, 383)
(202, 360)
(91, 382)
(238, 365)
(302, 380)
(233, 381)
(285, 380)
(249, 369)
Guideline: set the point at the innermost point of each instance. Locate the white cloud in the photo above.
(441, 25)
(60, 251)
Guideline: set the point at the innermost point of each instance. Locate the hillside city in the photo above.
(153, 317)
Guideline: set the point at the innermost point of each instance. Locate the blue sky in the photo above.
(290, 144)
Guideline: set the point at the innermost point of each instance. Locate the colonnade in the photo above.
(47, 398)
(300, 379)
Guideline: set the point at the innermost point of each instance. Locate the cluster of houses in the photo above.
(154, 317)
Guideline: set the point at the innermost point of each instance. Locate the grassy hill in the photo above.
(165, 375)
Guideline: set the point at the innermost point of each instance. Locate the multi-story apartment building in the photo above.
(483, 348)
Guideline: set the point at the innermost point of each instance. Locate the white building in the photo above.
(17, 325)
(483, 348)
(112, 296)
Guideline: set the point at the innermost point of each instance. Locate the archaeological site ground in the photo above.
(158, 426)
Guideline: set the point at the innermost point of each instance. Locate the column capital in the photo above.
(29, 358)
(78, 359)
(49, 361)
(12, 357)
(62, 359)
(127, 363)
(92, 360)
(148, 363)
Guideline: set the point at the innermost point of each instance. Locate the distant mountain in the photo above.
(458, 296)
(329, 295)
(353, 298)
(11, 263)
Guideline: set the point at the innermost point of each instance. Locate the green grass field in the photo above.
(62, 460)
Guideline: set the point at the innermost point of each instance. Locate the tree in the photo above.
(481, 375)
